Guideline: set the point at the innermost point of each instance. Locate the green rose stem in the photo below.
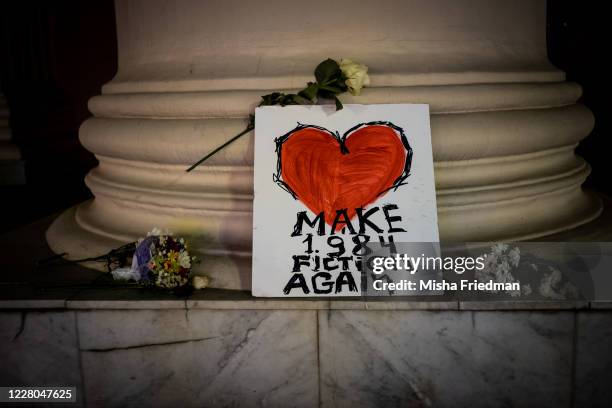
(249, 127)
(332, 79)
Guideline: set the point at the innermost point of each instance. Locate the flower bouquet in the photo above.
(163, 261)
(160, 260)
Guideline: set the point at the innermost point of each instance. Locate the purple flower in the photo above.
(143, 255)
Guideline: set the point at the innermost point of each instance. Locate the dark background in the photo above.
(55, 55)
(578, 44)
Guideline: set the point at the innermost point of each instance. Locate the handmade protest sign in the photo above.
(328, 182)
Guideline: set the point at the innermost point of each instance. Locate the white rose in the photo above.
(200, 282)
(356, 75)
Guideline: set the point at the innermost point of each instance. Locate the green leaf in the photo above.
(341, 84)
(327, 71)
(299, 100)
(310, 92)
(338, 103)
(332, 89)
(270, 99)
(284, 100)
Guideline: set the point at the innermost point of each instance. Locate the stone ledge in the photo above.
(215, 299)
(73, 287)
(242, 300)
(35, 304)
(123, 298)
(601, 305)
(390, 303)
(524, 305)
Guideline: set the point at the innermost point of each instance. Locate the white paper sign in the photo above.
(327, 182)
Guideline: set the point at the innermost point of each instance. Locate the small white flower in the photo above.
(499, 249)
(200, 281)
(550, 283)
(184, 259)
(155, 231)
(551, 287)
(158, 232)
(499, 265)
(356, 75)
(515, 256)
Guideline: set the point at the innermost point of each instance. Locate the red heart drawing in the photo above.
(327, 172)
